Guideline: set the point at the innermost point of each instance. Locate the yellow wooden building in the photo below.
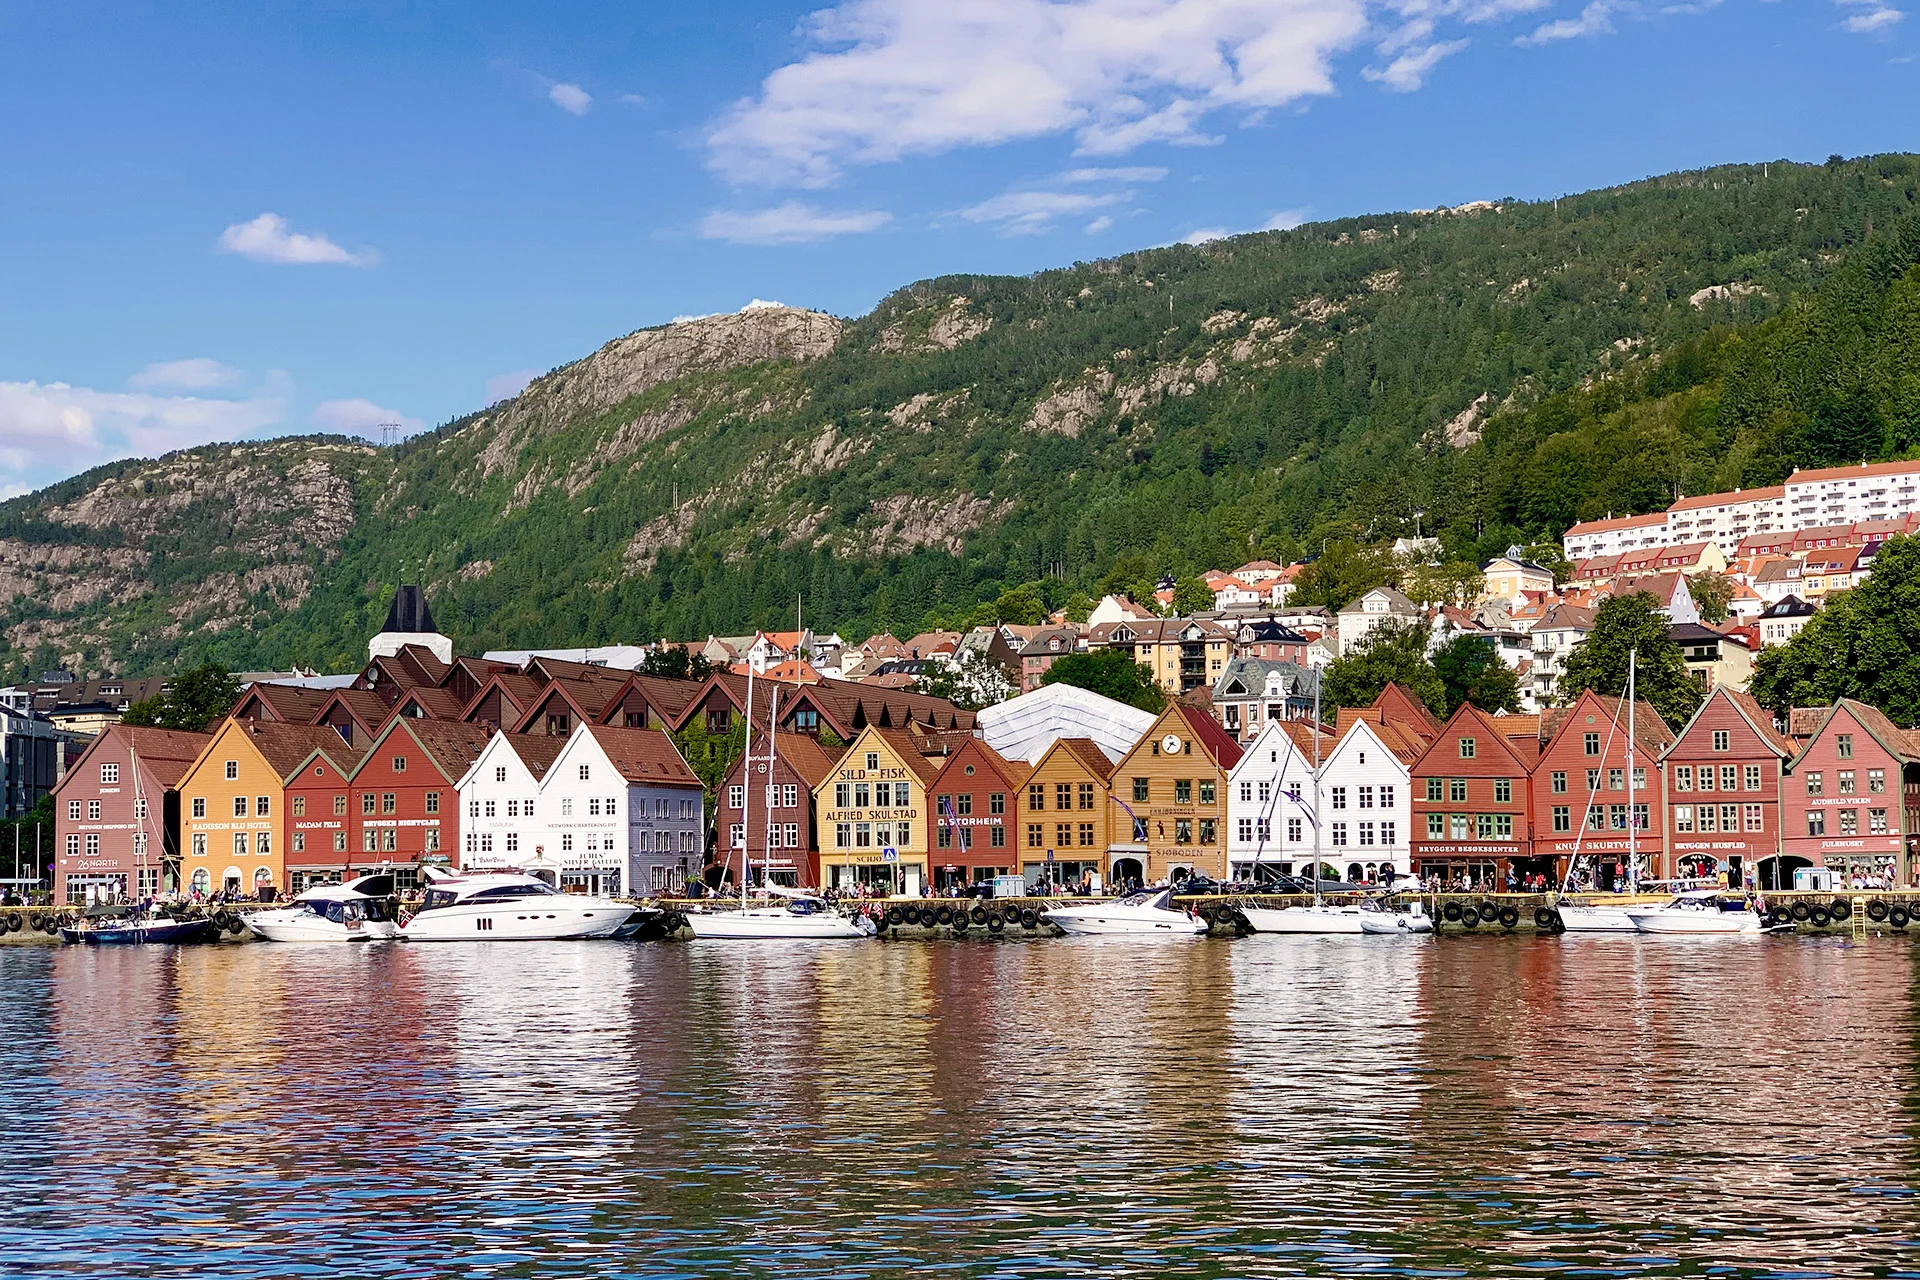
(1170, 800)
(872, 813)
(1066, 814)
(233, 819)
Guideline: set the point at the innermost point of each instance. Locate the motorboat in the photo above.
(1323, 917)
(360, 910)
(134, 927)
(1413, 920)
(507, 906)
(1148, 912)
(802, 917)
(1702, 911)
(1579, 918)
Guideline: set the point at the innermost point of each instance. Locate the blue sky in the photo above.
(220, 221)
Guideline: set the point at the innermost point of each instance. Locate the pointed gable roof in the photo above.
(1897, 743)
(643, 755)
(287, 747)
(287, 703)
(362, 707)
(1221, 745)
(1396, 704)
(970, 748)
(1650, 732)
(451, 746)
(1757, 719)
(1470, 721)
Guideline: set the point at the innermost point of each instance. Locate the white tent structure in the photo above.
(1023, 728)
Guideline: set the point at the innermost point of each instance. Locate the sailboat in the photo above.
(1321, 917)
(137, 923)
(803, 917)
(1581, 918)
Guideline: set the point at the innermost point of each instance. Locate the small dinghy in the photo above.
(137, 928)
(1414, 920)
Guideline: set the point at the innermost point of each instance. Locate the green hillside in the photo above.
(1493, 372)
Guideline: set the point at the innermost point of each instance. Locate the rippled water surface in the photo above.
(1486, 1105)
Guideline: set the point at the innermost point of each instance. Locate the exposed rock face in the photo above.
(1464, 427)
(904, 522)
(925, 329)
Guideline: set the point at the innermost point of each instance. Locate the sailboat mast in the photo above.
(773, 727)
(1633, 823)
(746, 799)
(1316, 787)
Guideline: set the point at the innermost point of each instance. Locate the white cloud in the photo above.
(267, 239)
(197, 374)
(1286, 220)
(357, 417)
(570, 98)
(505, 386)
(1408, 72)
(633, 99)
(1594, 20)
(1205, 235)
(1135, 173)
(49, 430)
(1032, 212)
(789, 223)
(886, 79)
(1875, 18)
(1098, 225)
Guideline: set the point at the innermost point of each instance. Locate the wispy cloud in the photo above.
(1287, 220)
(358, 417)
(1873, 17)
(1134, 173)
(268, 239)
(197, 374)
(790, 223)
(570, 98)
(1021, 213)
(52, 429)
(505, 386)
(1594, 20)
(1408, 72)
(1099, 224)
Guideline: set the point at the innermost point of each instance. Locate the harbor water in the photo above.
(1499, 1105)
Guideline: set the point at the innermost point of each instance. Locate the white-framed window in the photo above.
(584, 775)
(73, 811)
(736, 797)
(110, 775)
(790, 831)
(93, 811)
(737, 835)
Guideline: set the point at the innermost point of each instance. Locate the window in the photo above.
(1466, 748)
(1683, 777)
(593, 806)
(789, 831)
(789, 796)
(1562, 818)
(299, 842)
(737, 796)
(1244, 829)
(500, 773)
(1034, 837)
(1386, 833)
(1596, 817)
(199, 845)
(233, 770)
(339, 842)
(1503, 790)
(1062, 834)
(93, 810)
(1877, 822)
(1063, 795)
(433, 802)
(1729, 777)
(1457, 790)
(239, 844)
(583, 773)
(1086, 834)
(1616, 779)
(1183, 791)
(1246, 793)
(1708, 817)
(1751, 777)
(1843, 745)
(239, 806)
(399, 764)
(997, 802)
(1876, 781)
(299, 806)
(1639, 779)
(1593, 780)
(737, 835)
(93, 845)
(873, 761)
(389, 802)
(842, 796)
(1755, 819)
(1294, 829)
(109, 775)
(1640, 817)
(1365, 795)
(1559, 780)
(1591, 743)
(1433, 789)
(1616, 817)
(1729, 817)
(1339, 797)
(1722, 740)
(1386, 797)
(1460, 826)
(1846, 782)
(73, 811)
(1849, 822)
(339, 806)
(1208, 831)
(863, 834)
(433, 839)
(367, 801)
(1037, 797)
(566, 843)
(263, 843)
(842, 835)
(1339, 834)
(1140, 790)
(1436, 826)
(1366, 833)
(260, 806)
(1206, 791)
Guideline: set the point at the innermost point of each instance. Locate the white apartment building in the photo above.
(1727, 519)
(1614, 536)
(499, 802)
(1270, 806)
(1368, 799)
(1364, 801)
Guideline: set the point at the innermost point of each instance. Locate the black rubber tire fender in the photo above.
(10, 923)
(978, 915)
(994, 923)
(1451, 912)
(1030, 919)
(1876, 910)
(1819, 917)
(38, 920)
(1897, 917)
(1778, 916)
(1543, 917)
(1469, 918)
(1509, 916)
(236, 924)
(890, 919)
(1489, 911)
(959, 924)
(1799, 911)
(1841, 910)
(1206, 914)
(943, 915)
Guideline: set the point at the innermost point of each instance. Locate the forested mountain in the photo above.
(1492, 372)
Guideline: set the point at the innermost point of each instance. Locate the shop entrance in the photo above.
(1128, 871)
(1777, 873)
(592, 884)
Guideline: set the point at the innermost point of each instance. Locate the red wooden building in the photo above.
(1723, 789)
(970, 816)
(1590, 801)
(116, 814)
(778, 832)
(320, 844)
(404, 807)
(1852, 800)
(1473, 800)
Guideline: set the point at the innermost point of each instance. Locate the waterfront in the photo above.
(1494, 1105)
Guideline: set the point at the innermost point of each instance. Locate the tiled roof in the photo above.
(453, 745)
(284, 746)
(643, 755)
(1868, 471)
(537, 751)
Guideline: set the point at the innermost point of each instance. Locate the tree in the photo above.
(192, 701)
(1633, 625)
(1191, 596)
(1079, 607)
(1472, 671)
(1343, 572)
(676, 662)
(1845, 429)
(1020, 606)
(974, 681)
(1388, 654)
(1713, 593)
(1111, 673)
(1457, 582)
(1864, 644)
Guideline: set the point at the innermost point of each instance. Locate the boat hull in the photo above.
(1391, 923)
(1165, 924)
(276, 926)
(1304, 919)
(158, 933)
(549, 919)
(1700, 923)
(774, 925)
(1597, 920)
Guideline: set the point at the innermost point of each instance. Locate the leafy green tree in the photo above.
(1345, 571)
(1472, 671)
(1388, 654)
(1021, 606)
(1457, 582)
(1864, 644)
(711, 753)
(1624, 626)
(1110, 673)
(1846, 428)
(1079, 607)
(676, 662)
(1713, 594)
(192, 702)
(972, 682)
(1191, 596)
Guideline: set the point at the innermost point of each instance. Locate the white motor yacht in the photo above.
(1702, 911)
(1325, 917)
(1413, 920)
(802, 918)
(361, 910)
(507, 906)
(1595, 919)
(1149, 912)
